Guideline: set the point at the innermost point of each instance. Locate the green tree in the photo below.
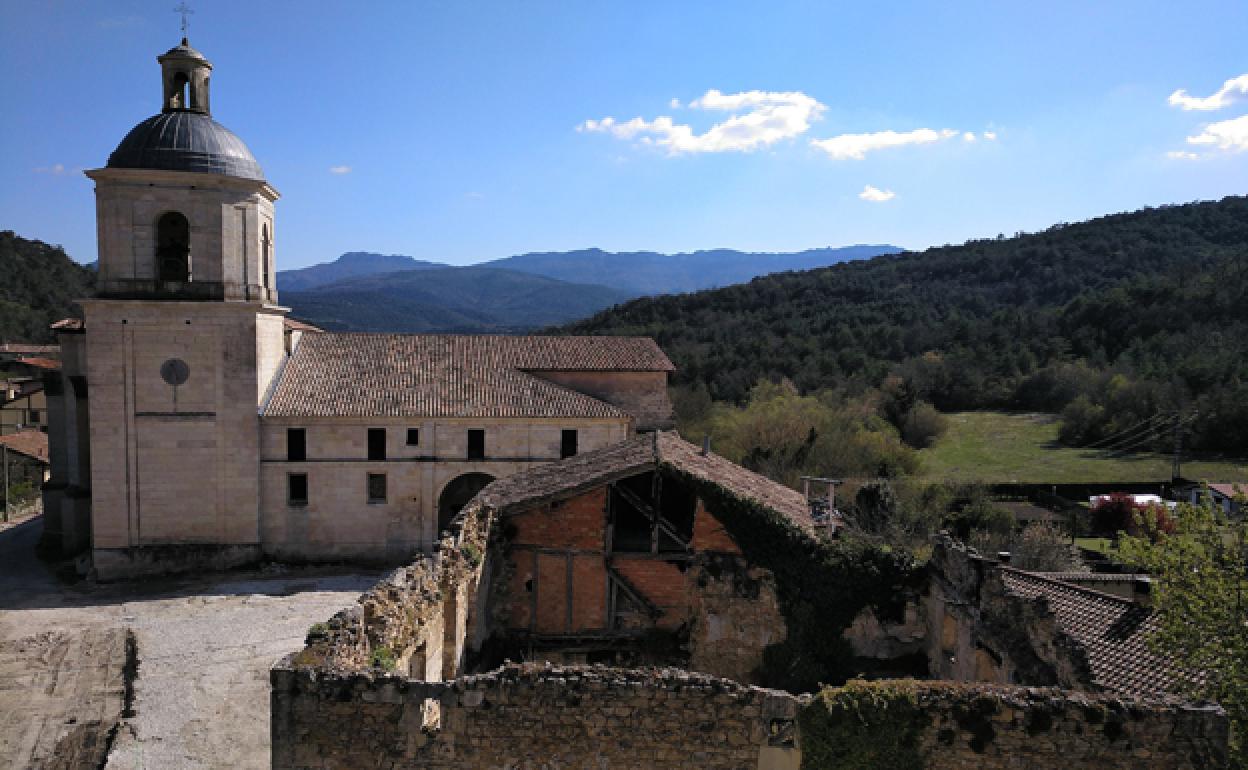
(1201, 597)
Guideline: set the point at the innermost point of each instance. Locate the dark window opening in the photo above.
(567, 443)
(180, 82)
(173, 248)
(376, 443)
(297, 488)
(296, 444)
(413, 436)
(677, 504)
(476, 444)
(266, 248)
(631, 527)
(376, 487)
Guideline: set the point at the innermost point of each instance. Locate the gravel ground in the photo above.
(205, 645)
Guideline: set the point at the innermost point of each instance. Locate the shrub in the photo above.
(1044, 548)
(923, 425)
(383, 658)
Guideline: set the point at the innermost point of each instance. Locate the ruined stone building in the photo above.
(489, 652)
(194, 424)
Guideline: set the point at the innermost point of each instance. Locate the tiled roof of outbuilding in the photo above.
(31, 443)
(1112, 630)
(445, 375)
(639, 454)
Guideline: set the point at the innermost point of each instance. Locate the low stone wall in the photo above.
(912, 725)
(532, 716)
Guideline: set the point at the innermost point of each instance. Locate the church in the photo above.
(195, 425)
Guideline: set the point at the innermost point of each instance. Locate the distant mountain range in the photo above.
(364, 291)
(449, 299)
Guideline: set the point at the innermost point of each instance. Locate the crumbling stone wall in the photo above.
(530, 715)
(912, 725)
(979, 631)
(417, 619)
(735, 616)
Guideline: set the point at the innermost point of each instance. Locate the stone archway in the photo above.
(456, 494)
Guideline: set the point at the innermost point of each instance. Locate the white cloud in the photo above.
(55, 169)
(1181, 155)
(768, 117)
(340, 169)
(990, 136)
(1223, 97)
(969, 136)
(856, 146)
(876, 195)
(1229, 135)
(674, 103)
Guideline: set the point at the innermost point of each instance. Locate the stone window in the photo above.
(476, 444)
(567, 443)
(376, 487)
(376, 443)
(173, 248)
(266, 252)
(296, 445)
(297, 488)
(413, 436)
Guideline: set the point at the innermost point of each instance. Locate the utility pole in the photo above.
(4, 459)
(1176, 470)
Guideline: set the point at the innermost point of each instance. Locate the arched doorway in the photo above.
(456, 494)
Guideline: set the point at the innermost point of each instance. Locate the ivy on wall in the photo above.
(863, 726)
(821, 585)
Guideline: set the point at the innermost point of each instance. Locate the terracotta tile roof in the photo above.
(1229, 489)
(446, 375)
(39, 363)
(31, 443)
(1112, 630)
(297, 325)
(585, 471)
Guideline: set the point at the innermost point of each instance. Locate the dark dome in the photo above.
(185, 141)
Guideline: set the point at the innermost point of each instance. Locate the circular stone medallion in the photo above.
(175, 371)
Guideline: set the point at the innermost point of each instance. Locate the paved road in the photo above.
(204, 647)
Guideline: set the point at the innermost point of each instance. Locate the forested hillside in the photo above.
(1115, 321)
(38, 285)
(448, 299)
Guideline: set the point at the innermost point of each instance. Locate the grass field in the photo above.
(1000, 447)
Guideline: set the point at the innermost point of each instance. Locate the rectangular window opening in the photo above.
(413, 436)
(567, 443)
(296, 444)
(297, 488)
(476, 444)
(376, 443)
(376, 487)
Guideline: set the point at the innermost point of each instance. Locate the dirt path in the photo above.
(204, 647)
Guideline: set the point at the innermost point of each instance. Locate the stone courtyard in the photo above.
(203, 649)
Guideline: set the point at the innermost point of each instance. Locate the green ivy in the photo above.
(821, 586)
(862, 726)
(383, 658)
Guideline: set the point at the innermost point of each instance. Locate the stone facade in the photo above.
(417, 476)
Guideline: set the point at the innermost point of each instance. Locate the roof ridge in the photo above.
(1072, 586)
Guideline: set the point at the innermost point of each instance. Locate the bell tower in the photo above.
(183, 338)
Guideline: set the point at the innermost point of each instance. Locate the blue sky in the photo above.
(463, 131)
